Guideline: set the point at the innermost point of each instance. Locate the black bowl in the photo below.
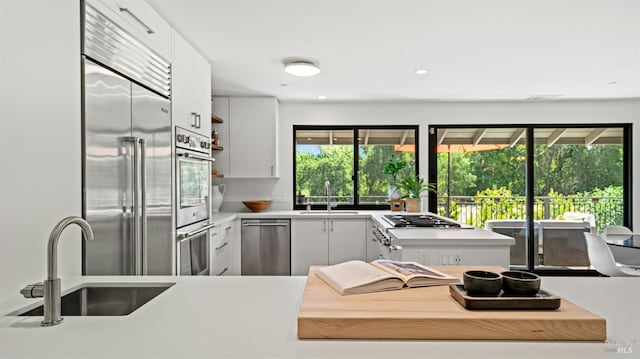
(520, 283)
(482, 283)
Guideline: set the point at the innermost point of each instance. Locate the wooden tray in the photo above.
(541, 301)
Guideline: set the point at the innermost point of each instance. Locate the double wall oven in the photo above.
(193, 186)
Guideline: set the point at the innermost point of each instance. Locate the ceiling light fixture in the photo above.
(421, 72)
(301, 68)
(322, 97)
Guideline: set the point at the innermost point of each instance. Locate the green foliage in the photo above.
(335, 163)
(413, 186)
(393, 167)
(497, 203)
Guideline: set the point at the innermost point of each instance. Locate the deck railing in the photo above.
(476, 210)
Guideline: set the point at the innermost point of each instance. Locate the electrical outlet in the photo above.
(457, 259)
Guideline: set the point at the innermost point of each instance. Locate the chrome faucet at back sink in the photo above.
(50, 290)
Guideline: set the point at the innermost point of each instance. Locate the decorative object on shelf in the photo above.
(217, 196)
(214, 137)
(216, 119)
(393, 167)
(413, 187)
(257, 206)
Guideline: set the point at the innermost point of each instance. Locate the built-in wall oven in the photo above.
(193, 185)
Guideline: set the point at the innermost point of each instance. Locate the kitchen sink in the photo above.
(104, 299)
(327, 212)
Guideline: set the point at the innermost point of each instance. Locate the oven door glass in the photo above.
(194, 182)
(194, 255)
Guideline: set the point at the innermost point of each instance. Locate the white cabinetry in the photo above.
(191, 88)
(140, 20)
(249, 136)
(325, 242)
(221, 247)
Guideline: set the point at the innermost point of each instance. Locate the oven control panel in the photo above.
(192, 141)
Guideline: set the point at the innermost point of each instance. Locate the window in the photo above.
(542, 185)
(352, 160)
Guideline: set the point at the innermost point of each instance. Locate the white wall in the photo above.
(432, 113)
(40, 113)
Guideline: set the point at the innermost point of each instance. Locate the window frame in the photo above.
(627, 180)
(356, 162)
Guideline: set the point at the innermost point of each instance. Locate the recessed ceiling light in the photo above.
(283, 85)
(301, 68)
(613, 83)
(322, 97)
(421, 71)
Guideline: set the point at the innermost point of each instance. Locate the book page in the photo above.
(409, 270)
(358, 277)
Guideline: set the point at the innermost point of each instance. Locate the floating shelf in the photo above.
(216, 119)
(217, 176)
(216, 148)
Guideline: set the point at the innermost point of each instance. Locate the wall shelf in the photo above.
(216, 148)
(216, 119)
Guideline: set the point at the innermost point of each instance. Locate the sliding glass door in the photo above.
(542, 185)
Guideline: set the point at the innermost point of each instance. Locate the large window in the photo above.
(352, 160)
(542, 185)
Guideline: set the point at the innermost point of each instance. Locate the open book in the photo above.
(355, 277)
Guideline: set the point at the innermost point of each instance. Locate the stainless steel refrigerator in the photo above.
(127, 177)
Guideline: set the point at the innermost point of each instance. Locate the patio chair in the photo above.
(563, 243)
(622, 254)
(515, 228)
(602, 260)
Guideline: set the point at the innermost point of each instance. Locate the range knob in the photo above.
(203, 144)
(180, 138)
(187, 139)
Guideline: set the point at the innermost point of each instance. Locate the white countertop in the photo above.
(255, 317)
(453, 236)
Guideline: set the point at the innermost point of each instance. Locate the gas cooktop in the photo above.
(419, 220)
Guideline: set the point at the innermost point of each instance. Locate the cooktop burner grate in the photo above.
(419, 220)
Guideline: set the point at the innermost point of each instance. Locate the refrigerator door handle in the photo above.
(135, 208)
(143, 205)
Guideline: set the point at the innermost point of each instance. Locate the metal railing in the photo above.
(476, 210)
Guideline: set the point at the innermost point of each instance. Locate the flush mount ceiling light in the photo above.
(322, 97)
(301, 68)
(421, 71)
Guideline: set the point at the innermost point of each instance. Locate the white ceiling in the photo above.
(369, 49)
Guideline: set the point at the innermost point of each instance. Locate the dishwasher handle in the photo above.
(268, 224)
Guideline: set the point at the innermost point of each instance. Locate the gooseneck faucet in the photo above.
(327, 189)
(50, 290)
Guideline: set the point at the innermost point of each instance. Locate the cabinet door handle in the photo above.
(147, 28)
(198, 123)
(194, 124)
(324, 225)
(272, 172)
(222, 246)
(228, 228)
(223, 271)
(331, 225)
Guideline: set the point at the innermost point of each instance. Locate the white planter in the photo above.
(393, 192)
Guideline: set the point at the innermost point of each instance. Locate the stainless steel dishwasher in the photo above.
(266, 247)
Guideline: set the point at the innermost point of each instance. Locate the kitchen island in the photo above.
(256, 317)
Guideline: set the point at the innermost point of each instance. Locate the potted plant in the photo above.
(393, 167)
(413, 187)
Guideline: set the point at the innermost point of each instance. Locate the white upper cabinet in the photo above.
(191, 88)
(140, 20)
(253, 135)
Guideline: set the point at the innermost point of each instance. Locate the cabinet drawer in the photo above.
(221, 258)
(140, 20)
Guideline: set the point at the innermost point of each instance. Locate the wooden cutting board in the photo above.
(431, 313)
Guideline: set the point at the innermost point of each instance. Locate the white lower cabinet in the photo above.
(326, 241)
(221, 248)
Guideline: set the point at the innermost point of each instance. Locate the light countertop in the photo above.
(255, 317)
